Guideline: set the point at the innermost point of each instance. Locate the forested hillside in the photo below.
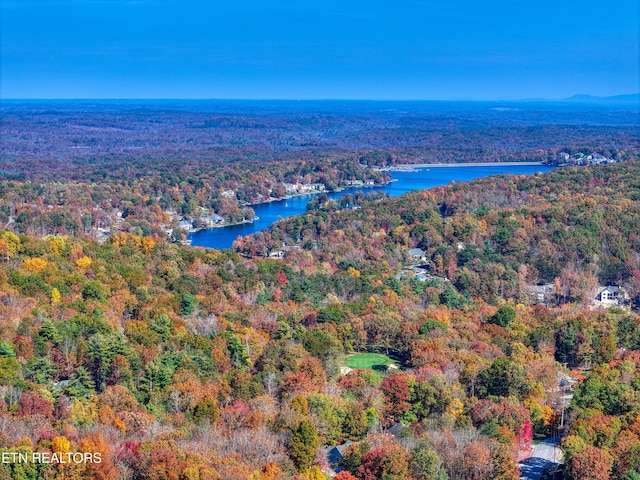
(186, 363)
(491, 237)
(150, 196)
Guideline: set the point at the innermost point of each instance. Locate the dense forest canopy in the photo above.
(574, 226)
(178, 362)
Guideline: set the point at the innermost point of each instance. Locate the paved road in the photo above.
(546, 455)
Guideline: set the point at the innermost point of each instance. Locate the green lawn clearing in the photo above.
(372, 361)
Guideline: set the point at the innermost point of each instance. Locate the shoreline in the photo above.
(223, 243)
(396, 168)
(409, 166)
(317, 192)
(223, 225)
(271, 200)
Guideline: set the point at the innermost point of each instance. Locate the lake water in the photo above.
(406, 182)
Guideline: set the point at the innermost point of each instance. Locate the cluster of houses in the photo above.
(204, 220)
(582, 159)
(359, 183)
(296, 188)
(210, 221)
(602, 297)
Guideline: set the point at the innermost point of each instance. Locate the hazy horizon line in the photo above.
(574, 97)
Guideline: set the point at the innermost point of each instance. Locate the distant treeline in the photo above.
(93, 142)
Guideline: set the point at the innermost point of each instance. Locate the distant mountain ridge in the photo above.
(627, 99)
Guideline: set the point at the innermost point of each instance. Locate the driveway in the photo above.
(546, 456)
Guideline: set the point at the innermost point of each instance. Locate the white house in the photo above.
(611, 296)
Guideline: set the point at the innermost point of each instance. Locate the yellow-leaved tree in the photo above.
(66, 468)
(9, 245)
(84, 262)
(55, 295)
(35, 265)
(58, 246)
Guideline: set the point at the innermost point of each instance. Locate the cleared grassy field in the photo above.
(372, 361)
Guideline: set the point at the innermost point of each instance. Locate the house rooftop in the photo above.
(611, 288)
(341, 448)
(396, 429)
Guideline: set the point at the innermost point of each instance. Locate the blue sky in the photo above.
(309, 49)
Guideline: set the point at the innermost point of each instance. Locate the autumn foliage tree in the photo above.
(390, 462)
(304, 443)
(591, 464)
(397, 393)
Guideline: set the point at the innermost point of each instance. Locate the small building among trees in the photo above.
(611, 296)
